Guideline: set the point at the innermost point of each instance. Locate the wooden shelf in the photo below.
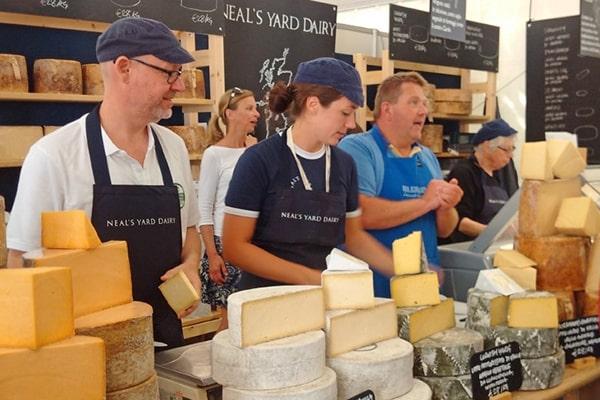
(452, 155)
(475, 119)
(11, 163)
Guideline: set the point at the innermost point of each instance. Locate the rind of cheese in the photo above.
(485, 310)
(193, 79)
(512, 258)
(533, 310)
(535, 162)
(450, 387)
(407, 252)
(71, 229)
(543, 372)
(416, 323)
(348, 289)
(13, 73)
(567, 305)
(533, 342)
(565, 159)
(259, 315)
(592, 283)
(57, 76)
(92, 79)
(179, 292)
(195, 138)
(144, 391)
(36, 306)
(3, 249)
(101, 276)
(70, 369)
(127, 334)
(415, 290)
(419, 391)
(578, 216)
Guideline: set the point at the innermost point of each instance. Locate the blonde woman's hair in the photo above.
(391, 88)
(217, 126)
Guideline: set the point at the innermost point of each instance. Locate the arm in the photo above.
(470, 227)
(380, 213)
(365, 247)
(446, 216)
(216, 266)
(239, 250)
(15, 259)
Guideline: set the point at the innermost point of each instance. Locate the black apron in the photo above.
(303, 225)
(494, 198)
(148, 219)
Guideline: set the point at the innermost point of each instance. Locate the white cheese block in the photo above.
(544, 372)
(277, 364)
(348, 289)
(578, 216)
(339, 260)
(415, 290)
(534, 342)
(348, 330)
(263, 314)
(532, 310)
(513, 259)
(147, 390)
(449, 387)
(592, 283)
(565, 159)
(535, 163)
(419, 391)
(385, 368)
(447, 353)
(409, 257)
(127, 334)
(324, 388)
(416, 323)
(496, 281)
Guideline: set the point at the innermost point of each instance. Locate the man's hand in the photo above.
(191, 271)
(431, 195)
(449, 194)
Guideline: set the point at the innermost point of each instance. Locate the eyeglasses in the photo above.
(507, 150)
(172, 76)
(236, 91)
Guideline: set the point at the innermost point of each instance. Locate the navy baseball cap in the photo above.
(491, 130)
(332, 72)
(132, 37)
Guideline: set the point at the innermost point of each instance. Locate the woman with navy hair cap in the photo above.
(294, 196)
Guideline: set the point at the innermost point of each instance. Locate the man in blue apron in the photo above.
(117, 164)
(400, 181)
(484, 194)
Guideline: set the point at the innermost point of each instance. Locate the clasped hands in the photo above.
(442, 195)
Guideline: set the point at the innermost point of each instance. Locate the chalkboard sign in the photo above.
(366, 395)
(200, 16)
(590, 28)
(409, 40)
(266, 40)
(580, 338)
(496, 371)
(448, 19)
(562, 86)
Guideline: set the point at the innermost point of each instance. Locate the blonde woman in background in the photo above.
(229, 133)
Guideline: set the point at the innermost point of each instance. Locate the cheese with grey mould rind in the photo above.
(544, 372)
(479, 308)
(534, 342)
(384, 367)
(450, 387)
(324, 388)
(290, 361)
(447, 353)
(419, 391)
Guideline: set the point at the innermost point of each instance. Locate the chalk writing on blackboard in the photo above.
(64, 4)
(271, 72)
(202, 6)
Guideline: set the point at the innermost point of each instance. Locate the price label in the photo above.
(366, 395)
(580, 338)
(496, 371)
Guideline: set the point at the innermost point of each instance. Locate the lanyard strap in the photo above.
(305, 181)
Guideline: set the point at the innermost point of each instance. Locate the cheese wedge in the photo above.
(408, 255)
(524, 276)
(416, 323)
(578, 216)
(535, 163)
(179, 292)
(348, 289)
(513, 259)
(68, 230)
(565, 159)
(533, 310)
(415, 290)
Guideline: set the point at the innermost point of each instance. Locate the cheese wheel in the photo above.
(92, 79)
(592, 282)
(567, 306)
(3, 250)
(419, 391)
(147, 390)
(534, 342)
(561, 260)
(194, 84)
(13, 73)
(384, 368)
(291, 361)
(195, 138)
(432, 136)
(453, 107)
(127, 334)
(324, 388)
(57, 76)
(416, 323)
(450, 387)
(543, 372)
(462, 95)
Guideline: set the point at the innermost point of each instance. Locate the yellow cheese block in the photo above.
(408, 255)
(15, 142)
(565, 159)
(101, 276)
(540, 202)
(535, 163)
(513, 259)
(147, 390)
(567, 306)
(416, 323)
(578, 216)
(71, 369)
(415, 290)
(524, 276)
(592, 283)
(127, 334)
(179, 292)
(3, 249)
(348, 289)
(348, 330)
(533, 310)
(70, 229)
(36, 307)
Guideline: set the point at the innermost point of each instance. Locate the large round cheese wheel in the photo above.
(92, 79)
(147, 390)
(324, 388)
(561, 260)
(13, 73)
(290, 361)
(384, 368)
(127, 334)
(57, 76)
(419, 391)
(194, 84)
(543, 372)
(195, 138)
(450, 387)
(534, 342)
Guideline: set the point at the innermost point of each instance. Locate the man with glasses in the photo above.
(118, 164)
(484, 194)
(400, 181)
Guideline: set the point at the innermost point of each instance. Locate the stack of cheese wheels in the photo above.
(195, 138)
(453, 101)
(57, 76)
(193, 79)
(363, 347)
(92, 79)
(39, 354)
(441, 351)
(102, 301)
(13, 73)
(3, 250)
(556, 223)
(529, 318)
(274, 347)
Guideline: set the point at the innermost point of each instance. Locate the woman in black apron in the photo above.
(484, 194)
(294, 196)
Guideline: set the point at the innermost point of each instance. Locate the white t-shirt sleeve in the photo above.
(208, 184)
